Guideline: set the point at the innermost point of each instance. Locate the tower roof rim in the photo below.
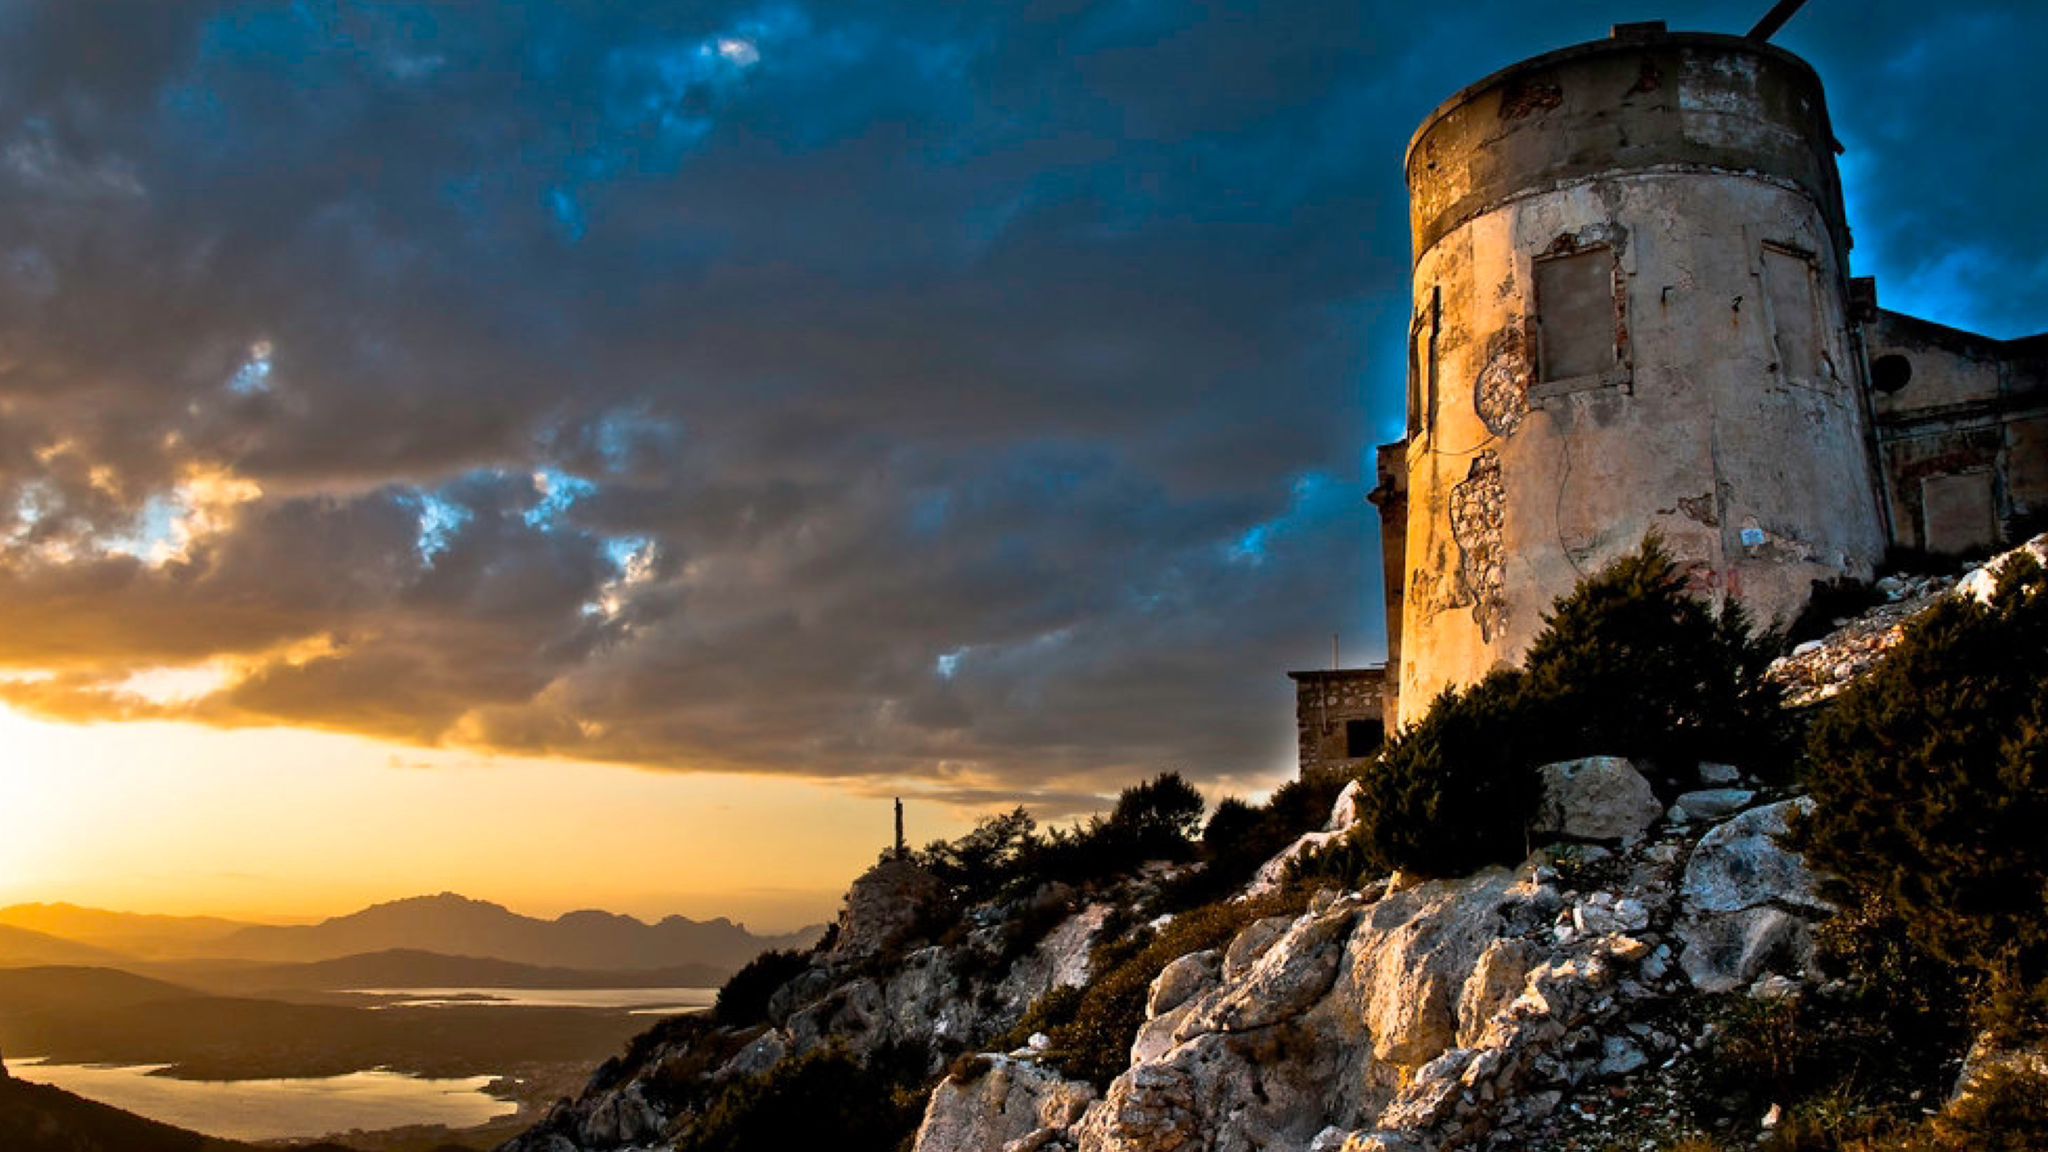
(1597, 48)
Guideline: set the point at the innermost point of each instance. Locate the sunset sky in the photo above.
(596, 454)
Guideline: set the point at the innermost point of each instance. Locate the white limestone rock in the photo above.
(1723, 953)
(1982, 582)
(1344, 813)
(1011, 1101)
(1714, 803)
(1713, 775)
(1741, 864)
(1597, 798)
(1251, 942)
(1181, 980)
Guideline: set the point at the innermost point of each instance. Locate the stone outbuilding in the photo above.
(1342, 715)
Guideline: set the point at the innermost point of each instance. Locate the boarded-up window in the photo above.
(1795, 314)
(1958, 513)
(1575, 314)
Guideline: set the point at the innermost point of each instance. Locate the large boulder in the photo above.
(1009, 1102)
(1742, 864)
(1414, 955)
(884, 908)
(1059, 961)
(1181, 980)
(1597, 798)
(1746, 900)
(1725, 952)
(1288, 978)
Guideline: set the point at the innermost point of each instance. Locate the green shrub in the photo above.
(1239, 838)
(826, 1099)
(1930, 781)
(1454, 792)
(1627, 664)
(744, 998)
(1157, 820)
(1631, 664)
(985, 861)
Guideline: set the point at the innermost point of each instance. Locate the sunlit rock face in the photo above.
(883, 909)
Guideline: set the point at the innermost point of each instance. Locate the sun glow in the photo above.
(286, 823)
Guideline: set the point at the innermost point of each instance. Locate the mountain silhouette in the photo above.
(454, 925)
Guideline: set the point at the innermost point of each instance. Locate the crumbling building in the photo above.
(1634, 312)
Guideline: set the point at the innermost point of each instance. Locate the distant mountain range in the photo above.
(127, 933)
(411, 968)
(457, 926)
(22, 946)
(447, 924)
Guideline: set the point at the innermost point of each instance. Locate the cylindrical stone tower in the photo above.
(1630, 275)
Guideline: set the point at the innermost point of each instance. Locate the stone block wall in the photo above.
(1342, 715)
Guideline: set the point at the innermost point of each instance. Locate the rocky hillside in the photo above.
(1619, 988)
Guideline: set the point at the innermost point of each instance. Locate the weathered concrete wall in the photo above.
(1689, 182)
(1962, 423)
(1341, 715)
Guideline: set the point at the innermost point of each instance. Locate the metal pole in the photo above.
(1775, 19)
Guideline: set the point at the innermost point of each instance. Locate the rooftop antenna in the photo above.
(1335, 661)
(1775, 19)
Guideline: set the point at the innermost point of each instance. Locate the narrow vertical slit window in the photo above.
(1796, 330)
(1577, 333)
(1422, 336)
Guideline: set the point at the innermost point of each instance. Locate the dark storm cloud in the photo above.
(978, 392)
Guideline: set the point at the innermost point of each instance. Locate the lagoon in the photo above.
(276, 1109)
(638, 1001)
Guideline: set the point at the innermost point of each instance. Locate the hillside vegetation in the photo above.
(1567, 910)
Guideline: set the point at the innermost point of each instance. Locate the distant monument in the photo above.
(902, 851)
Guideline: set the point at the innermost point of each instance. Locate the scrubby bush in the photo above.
(824, 1099)
(1157, 820)
(1240, 837)
(1627, 664)
(979, 865)
(1454, 792)
(1632, 664)
(744, 999)
(1930, 781)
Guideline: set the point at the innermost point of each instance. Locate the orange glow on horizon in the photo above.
(287, 824)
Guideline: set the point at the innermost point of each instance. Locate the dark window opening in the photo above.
(1363, 738)
(1576, 324)
(1422, 336)
(1891, 372)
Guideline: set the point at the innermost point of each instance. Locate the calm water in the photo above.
(640, 1001)
(276, 1109)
